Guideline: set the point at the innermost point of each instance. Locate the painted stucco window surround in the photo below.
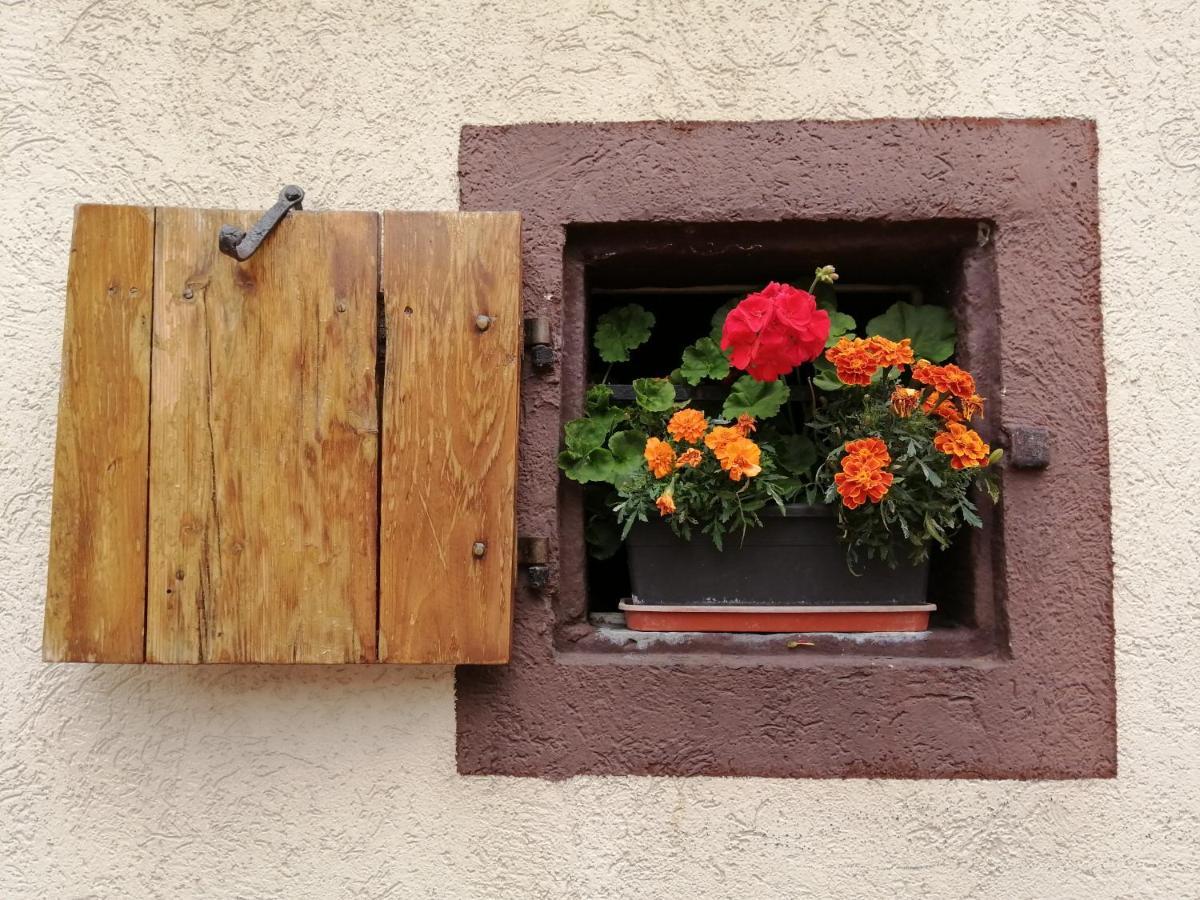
(1016, 679)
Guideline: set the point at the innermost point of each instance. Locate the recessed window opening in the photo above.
(683, 274)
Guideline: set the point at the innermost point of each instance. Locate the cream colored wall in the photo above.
(258, 782)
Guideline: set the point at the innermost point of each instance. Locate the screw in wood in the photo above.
(483, 323)
(479, 549)
(187, 294)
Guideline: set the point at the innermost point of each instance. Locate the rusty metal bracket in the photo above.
(537, 341)
(240, 244)
(534, 554)
(1027, 446)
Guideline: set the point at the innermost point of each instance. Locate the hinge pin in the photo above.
(537, 340)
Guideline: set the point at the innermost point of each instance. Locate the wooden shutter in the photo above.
(224, 490)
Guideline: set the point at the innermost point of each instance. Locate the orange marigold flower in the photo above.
(720, 436)
(965, 447)
(860, 481)
(945, 409)
(659, 457)
(740, 457)
(935, 376)
(972, 406)
(745, 425)
(960, 382)
(871, 451)
(666, 503)
(854, 361)
(890, 353)
(690, 458)
(904, 401)
(687, 425)
(947, 379)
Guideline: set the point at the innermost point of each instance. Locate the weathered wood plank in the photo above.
(449, 436)
(96, 581)
(264, 442)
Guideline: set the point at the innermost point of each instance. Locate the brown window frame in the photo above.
(1027, 690)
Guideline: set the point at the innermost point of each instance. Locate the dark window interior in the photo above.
(683, 273)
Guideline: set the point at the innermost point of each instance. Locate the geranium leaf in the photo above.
(621, 330)
(598, 399)
(760, 399)
(796, 453)
(585, 435)
(839, 324)
(597, 465)
(930, 328)
(703, 359)
(825, 378)
(603, 537)
(654, 394)
(718, 321)
(627, 448)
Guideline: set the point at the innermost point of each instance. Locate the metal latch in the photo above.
(534, 554)
(537, 340)
(240, 244)
(1027, 446)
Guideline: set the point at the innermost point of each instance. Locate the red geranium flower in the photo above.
(775, 330)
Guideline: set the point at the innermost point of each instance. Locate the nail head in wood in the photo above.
(479, 549)
(483, 323)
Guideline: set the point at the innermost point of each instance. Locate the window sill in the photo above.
(608, 642)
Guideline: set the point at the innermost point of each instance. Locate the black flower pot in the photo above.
(789, 575)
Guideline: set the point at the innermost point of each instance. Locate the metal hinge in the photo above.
(534, 554)
(537, 341)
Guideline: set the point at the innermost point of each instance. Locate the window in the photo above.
(684, 272)
(1017, 679)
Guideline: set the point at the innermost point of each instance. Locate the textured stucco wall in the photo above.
(302, 783)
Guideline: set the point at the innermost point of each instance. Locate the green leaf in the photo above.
(598, 399)
(603, 537)
(930, 476)
(796, 453)
(967, 509)
(839, 324)
(718, 320)
(761, 399)
(654, 394)
(621, 330)
(585, 435)
(597, 465)
(825, 378)
(598, 408)
(627, 448)
(930, 328)
(704, 359)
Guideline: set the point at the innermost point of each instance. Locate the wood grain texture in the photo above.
(264, 442)
(96, 581)
(449, 436)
